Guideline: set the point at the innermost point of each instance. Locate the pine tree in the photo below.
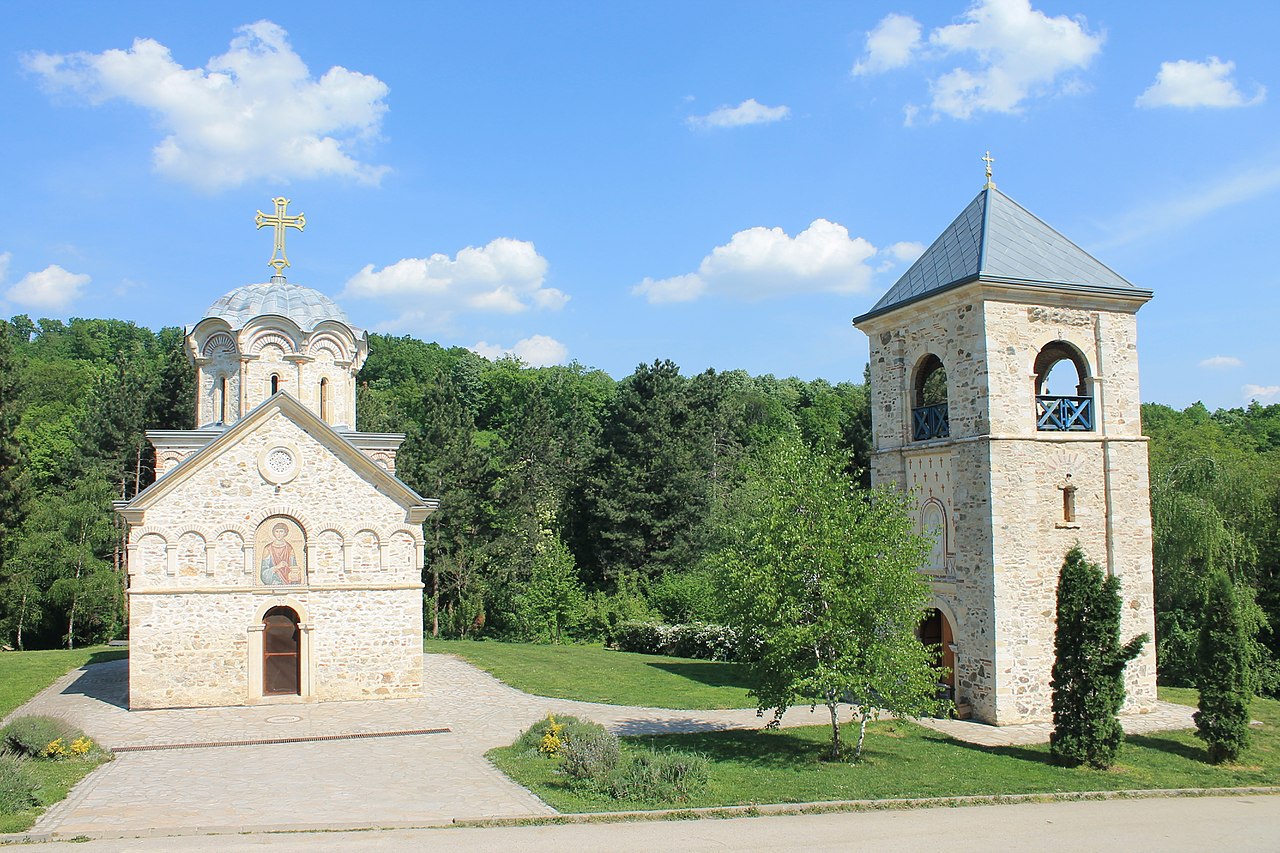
(1224, 679)
(1088, 669)
(9, 448)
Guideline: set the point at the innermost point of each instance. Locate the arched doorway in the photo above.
(935, 630)
(281, 653)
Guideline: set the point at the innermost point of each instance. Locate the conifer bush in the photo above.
(1088, 668)
(1223, 677)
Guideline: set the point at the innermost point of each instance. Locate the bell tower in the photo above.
(1004, 393)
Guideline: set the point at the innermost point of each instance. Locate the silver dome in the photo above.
(304, 306)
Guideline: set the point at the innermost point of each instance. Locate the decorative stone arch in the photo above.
(135, 545)
(380, 545)
(316, 543)
(220, 342)
(254, 520)
(1053, 354)
(307, 664)
(331, 343)
(403, 538)
(267, 337)
(204, 561)
(933, 515)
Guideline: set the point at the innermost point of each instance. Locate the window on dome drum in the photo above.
(275, 382)
(324, 399)
(1061, 367)
(929, 414)
(222, 400)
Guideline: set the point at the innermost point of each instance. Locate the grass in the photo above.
(902, 759)
(22, 676)
(56, 779)
(596, 674)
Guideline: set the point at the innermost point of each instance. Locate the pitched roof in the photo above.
(417, 506)
(997, 239)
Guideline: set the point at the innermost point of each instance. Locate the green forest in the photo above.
(571, 502)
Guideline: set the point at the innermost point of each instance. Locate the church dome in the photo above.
(304, 306)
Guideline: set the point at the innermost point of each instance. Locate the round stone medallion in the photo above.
(280, 463)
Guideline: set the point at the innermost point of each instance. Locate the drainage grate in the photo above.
(268, 741)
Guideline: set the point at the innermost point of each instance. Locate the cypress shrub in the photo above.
(1223, 673)
(1088, 668)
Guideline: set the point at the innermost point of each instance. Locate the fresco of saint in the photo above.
(279, 563)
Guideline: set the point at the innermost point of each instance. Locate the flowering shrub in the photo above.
(701, 640)
(43, 737)
(81, 746)
(56, 749)
(551, 743)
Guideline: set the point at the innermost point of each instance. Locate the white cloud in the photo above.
(535, 351)
(506, 276)
(1015, 53)
(1221, 362)
(253, 113)
(53, 287)
(748, 112)
(763, 262)
(5, 257)
(890, 45)
(1261, 393)
(1185, 83)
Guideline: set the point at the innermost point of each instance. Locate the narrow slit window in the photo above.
(275, 382)
(222, 400)
(1068, 500)
(324, 399)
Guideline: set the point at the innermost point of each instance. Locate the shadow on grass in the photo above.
(743, 747)
(711, 673)
(1173, 747)
(1021, 753)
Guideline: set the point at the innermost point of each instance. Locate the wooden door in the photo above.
(281, 653)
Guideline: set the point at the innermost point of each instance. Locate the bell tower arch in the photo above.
(1030, 442)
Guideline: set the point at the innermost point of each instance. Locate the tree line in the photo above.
(571, 502)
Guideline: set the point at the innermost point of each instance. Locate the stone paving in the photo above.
(394, 781)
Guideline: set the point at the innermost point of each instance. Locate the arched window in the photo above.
(930, 417)
(1059, 368)
(275, 382)
(222, 400)
(324, 400)
(281, 653)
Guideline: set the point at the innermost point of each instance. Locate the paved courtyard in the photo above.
(392, 763)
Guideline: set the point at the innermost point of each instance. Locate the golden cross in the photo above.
(990, 184)
(280, 222)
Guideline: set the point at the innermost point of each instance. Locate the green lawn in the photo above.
(596, 674)
(23, 675)
(906, 760)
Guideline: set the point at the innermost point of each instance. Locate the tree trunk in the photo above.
(862, 735)
(833, 707)
(22, 617)
(435, 601)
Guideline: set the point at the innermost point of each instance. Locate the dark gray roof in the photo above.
(995, 238)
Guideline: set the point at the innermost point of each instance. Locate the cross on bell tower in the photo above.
(279, 260)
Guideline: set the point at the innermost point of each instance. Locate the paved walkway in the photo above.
(394, 781)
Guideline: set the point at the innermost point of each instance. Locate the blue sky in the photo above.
(722, 184)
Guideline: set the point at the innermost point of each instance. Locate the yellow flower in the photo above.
(81, 746)
(55, 749)
(551, 739)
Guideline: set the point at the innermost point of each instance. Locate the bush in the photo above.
(688, 596)
(533, 738)
(17, 785)
(590, 753)
(43, 737)
(658, 776)
(692, 640)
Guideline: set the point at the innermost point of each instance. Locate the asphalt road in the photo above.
(1237, 824)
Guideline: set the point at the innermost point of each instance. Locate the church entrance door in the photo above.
(281, 653)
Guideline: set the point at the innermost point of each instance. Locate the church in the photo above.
(276, 558)
(1004, 396)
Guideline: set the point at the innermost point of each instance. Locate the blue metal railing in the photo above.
(1064, 414)
(930, 422)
